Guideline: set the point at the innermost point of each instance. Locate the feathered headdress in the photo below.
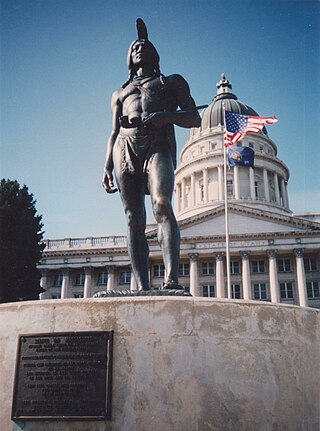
(142, 35)
(141, 30)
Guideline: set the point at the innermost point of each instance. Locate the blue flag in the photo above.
(241, 156)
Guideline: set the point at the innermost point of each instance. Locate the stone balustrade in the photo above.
(86, 243)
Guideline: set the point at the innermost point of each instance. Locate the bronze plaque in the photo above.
(63, 376)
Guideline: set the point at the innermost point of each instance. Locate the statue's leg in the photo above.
(132, 192)
(161, 185)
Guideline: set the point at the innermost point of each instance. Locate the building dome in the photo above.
(199, 179)
(212, 116)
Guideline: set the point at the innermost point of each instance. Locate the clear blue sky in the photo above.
(62, 59)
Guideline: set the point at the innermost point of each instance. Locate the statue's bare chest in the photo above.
(145, 97)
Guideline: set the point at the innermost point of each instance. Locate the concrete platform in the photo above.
(184, 364)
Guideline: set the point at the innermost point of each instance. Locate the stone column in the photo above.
(65, 284)
(273, 276)
(276, 188)
(205, 185)
(43, 282)
(178, 197)
(150, 274)
(284, 193)
(194, 277)
(236, 182)
(174, 197)
(266, 185)
(246, 278)
(111, 278)
(220, 275)
(183, 194)
(301, 278)
(252, 188)
(220, 183)
(87, 283)
(192, 190)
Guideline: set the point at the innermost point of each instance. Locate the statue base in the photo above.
(241, 365)
(151, 292)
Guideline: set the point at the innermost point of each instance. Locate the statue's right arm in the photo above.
(116, 108)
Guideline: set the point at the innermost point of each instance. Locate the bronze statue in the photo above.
(142, 152)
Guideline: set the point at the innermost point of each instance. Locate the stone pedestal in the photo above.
(184, 363)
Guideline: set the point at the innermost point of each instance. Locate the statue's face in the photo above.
(142, 53)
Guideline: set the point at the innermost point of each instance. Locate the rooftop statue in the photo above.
(141, 151)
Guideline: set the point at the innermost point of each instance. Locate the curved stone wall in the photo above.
(184, 364)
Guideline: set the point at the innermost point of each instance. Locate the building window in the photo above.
(284, 265)
(57, 282)
(208, 291)
(286, 290)
(235, 291)
(310, 264)
(158, 270)
(313, 289)
(256, 189)
(78, 295)
(229, 187)
(260, 291)
(272, 191)
(103, 278)
(234, 267)
(201, 192)
(55, 296)
(207, 268)
(79, 280)
(184, 269)
(124, 277)
(258, 266)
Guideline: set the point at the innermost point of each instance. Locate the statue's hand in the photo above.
(107, 182)
(157, 119)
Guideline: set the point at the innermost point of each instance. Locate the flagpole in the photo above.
(226, 205)
(242, 124)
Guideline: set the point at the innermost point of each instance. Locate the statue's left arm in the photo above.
(187, 116)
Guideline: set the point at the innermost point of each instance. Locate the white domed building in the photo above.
(274, 254)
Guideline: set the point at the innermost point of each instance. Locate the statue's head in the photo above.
(149, 55)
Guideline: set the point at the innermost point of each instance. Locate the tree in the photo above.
(20, 243)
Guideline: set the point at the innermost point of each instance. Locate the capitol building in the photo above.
(274, 253)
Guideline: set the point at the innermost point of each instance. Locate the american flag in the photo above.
(238, 125)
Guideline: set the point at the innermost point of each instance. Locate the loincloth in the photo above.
(137, 153)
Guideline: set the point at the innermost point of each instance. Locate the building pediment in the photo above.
(244, 220)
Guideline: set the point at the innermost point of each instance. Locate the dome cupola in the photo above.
(212, 116)
(223, 87)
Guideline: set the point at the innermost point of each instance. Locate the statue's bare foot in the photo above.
(144, 289)
(172, 285)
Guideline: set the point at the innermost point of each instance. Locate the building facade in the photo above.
(274, 254)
